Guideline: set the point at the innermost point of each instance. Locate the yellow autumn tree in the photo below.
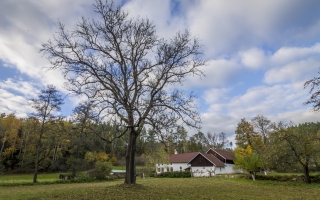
(248, 160)
(10, 126)
(92, 157)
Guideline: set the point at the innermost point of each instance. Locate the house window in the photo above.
(171, 169)
(180, 169)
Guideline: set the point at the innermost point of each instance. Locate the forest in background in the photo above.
(69, 145)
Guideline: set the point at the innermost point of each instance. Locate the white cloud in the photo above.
(217, 73)
(12, 103)
(26, 25)
(253, 58)
(158, 12)
(15, 96)
(290, 54)
(229, 26)
(277, 38)
(215, 95)
(302, 70)
(23, 87)
(278, 103)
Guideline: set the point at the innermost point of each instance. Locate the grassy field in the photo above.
(18, 178)
(164, 188)
(44, 177)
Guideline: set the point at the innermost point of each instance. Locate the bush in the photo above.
(152, 173)
(184, 174)
(286, 178)
(113, 160)
(101, 170)
(2, 168)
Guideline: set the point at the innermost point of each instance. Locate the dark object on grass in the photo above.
(63, 177)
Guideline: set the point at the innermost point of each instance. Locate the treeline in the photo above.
(75, 143)
(64, 145)
(47, 142)
(262, 145)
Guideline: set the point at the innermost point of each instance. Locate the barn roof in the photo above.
(182, 157)
(214, 160)
(227, 155)
(188, 157)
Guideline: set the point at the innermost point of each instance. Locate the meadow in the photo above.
(165, 188)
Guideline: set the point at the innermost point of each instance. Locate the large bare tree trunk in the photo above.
(35, 175)
(39, 143)
(130, 71)
(75, 162)
(130, 158)
(306, 174)
(2, 147)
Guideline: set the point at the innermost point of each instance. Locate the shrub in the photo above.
(2, 168)
(184, 174)
(92, 157)
(113, 160)
(101, 170)
(152, 173)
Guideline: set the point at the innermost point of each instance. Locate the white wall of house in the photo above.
(228, 169)
(175, 167)
(205, 171)
(202, 171)
(163, 168)
(197, 171)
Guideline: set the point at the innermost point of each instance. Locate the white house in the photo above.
(212, 162)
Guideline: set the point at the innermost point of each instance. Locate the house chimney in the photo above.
(175, 151)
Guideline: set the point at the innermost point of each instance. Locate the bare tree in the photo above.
(218, 141)
(223, 141)
(83, 116)
(129, 71)
(262, 125)
(48, 102)
(314, 91)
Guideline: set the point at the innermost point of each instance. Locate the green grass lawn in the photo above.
(291, 174)
(19, 178)
(165, 188)
(43, 177)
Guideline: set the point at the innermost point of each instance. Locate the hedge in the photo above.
(184, 174)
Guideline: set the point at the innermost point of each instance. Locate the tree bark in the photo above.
(130, 158)
(306, 174)
(75, 162)
(35, 175)
(21, 143)
(2, 147)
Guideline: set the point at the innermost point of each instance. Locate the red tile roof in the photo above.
(183, 157)
(214, 160)
(187, 157)
(227, 155)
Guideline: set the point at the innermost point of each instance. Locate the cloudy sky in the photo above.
(260, 53)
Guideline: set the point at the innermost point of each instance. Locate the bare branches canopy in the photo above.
(314, 91)
(128, 70)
